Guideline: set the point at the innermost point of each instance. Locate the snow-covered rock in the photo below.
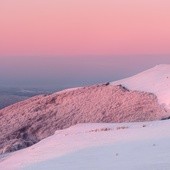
(30, 121)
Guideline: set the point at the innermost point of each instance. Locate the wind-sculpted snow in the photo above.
(99, 146)
(30, 121)
(155, 80)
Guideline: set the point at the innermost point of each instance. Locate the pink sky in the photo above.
(84, 27)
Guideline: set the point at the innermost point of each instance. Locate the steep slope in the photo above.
(131, 146)
(30, 121)
(155, 80)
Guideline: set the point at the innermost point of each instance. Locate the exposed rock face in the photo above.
(27, 122)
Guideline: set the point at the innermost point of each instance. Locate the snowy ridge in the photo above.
(26, 123)
(155, 80)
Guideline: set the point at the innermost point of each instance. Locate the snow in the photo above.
(155, 80)
(143, 145)
(101, 146)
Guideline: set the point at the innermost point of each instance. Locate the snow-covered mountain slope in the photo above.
(134, 146)
(155, 80)
(30, 121)
(142, 145)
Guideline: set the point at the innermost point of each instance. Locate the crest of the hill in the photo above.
(30, 121)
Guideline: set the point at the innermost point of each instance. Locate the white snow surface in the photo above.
(119, 146)
(155, 80)
(132, 146)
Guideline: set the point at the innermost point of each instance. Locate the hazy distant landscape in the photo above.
(11, 95)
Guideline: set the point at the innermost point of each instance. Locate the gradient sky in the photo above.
(43, 41)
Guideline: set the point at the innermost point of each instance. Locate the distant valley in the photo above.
(11, 95)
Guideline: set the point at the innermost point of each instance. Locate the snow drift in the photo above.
(155, 80)
(132, 146)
